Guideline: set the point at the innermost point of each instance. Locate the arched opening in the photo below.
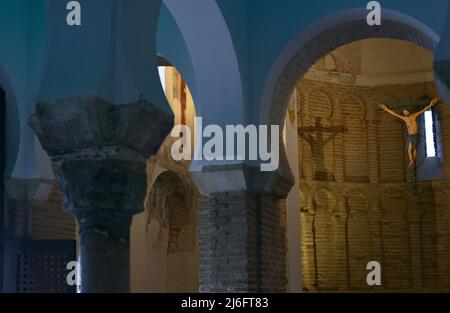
(357, 151)
(171, 231)
(349, 147)
(195, 23)
(164, 243)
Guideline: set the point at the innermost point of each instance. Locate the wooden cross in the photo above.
(318, 143)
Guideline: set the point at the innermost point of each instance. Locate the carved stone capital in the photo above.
(101, 150)
(90, 128)
(103, 185)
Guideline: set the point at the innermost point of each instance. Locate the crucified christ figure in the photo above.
(410, 120)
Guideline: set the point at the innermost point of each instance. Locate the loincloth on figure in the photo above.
(413, 140)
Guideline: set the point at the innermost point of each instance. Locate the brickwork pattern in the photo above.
(242, 243)
(348, 222)
(41, 220)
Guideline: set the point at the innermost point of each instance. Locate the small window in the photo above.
(162, 76)
(429, 132)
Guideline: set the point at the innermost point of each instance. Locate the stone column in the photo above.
(100, 151)
(241, 236)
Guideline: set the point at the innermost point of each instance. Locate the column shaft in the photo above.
(104, 252)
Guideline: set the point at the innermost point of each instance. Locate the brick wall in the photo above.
(242, 243)
(228, 245)
(41, 220)
(367, 211)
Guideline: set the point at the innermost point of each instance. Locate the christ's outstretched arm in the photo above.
(386, 109)
(432, 104)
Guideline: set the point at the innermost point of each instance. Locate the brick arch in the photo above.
(323, 223)
(433, 219)
(176, 190)
(357, 237)
(163, 174)
(357, 95)
(168, 202)
(358, 193)
(329, 195)
(325, 93)
(355, 138)
(318, 40)
(171, 245)
(395, 240)
(306, 198)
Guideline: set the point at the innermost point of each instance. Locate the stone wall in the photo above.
(356, 192)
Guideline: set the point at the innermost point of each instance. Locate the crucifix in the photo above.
(410, 120)
(318, 137)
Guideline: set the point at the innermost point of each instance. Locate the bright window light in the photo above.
(431, 152)
(162, 76)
